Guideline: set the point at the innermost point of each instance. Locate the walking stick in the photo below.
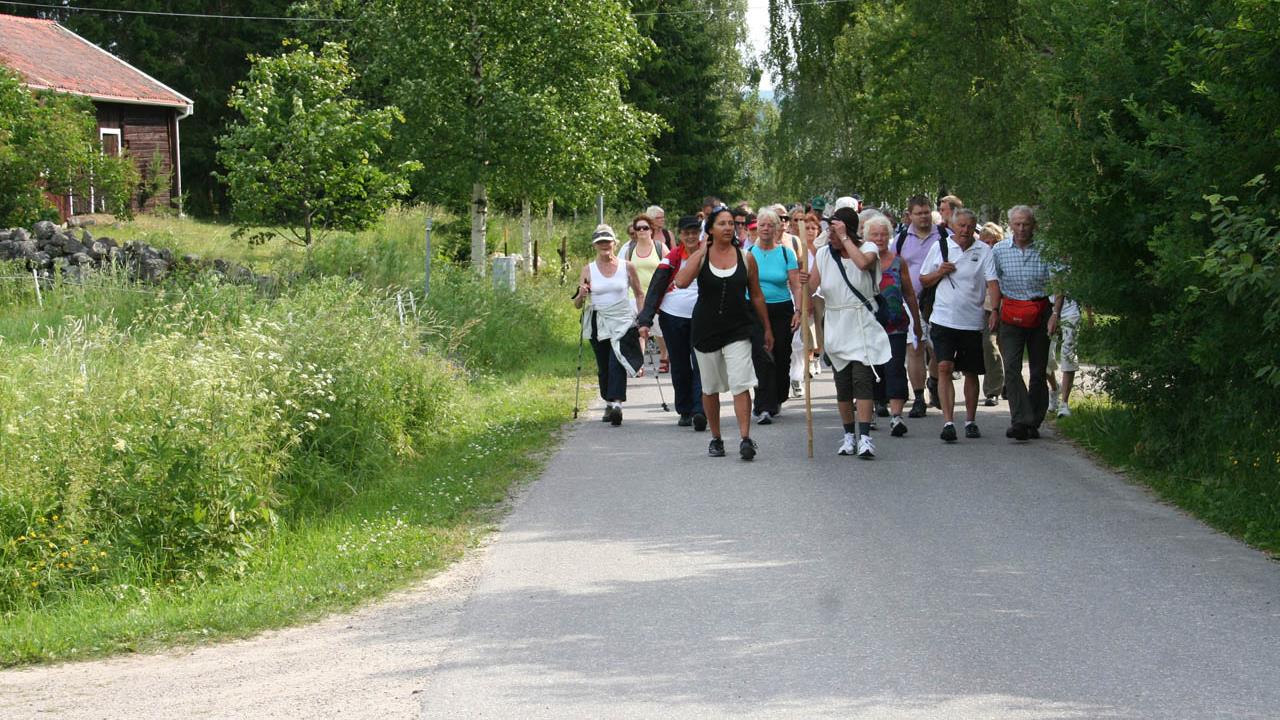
(649, 349)
(577, 388)
(806, 339)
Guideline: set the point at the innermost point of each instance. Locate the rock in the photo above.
(9, 250)
(40, 260)
(81, 259)
(6, 235)
(166, 255)
(44, 230)
(192, 259)
(153, 269)
(86, 238)
(98, 251)
(26, 248)
(61, 264)
(115, 255)
(75, 273)
(20, 235)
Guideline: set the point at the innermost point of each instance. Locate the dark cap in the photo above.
(688, 222)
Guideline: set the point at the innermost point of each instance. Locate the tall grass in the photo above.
(164, 446)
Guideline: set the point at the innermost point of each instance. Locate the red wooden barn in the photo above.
(137, 114)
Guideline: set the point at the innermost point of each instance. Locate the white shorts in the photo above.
(1066, 346)
(728, 369)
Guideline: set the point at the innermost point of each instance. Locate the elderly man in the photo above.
(1024, 321)
(960, 268)
(947, 207)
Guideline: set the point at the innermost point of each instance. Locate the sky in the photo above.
(758, 32)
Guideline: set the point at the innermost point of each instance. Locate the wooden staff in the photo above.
(805, 336)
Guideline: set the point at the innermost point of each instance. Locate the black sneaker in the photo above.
(971, 432)
(685, 420)
(716, 448)
(949, 433)
(699, 422)
(882, 410)
(616, 419)
(1033, 433)
(608, 413)
(991, 401)
(1017, 432)
(747, 448)
(897, 428)
(918, 408)
(935, 401)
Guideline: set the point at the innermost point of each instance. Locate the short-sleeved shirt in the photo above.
(678, 301)
(774, 266)
(1023, 273)
(915, 249)
(957, 303)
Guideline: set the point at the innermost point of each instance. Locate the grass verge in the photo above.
(1238, 494)
(409, 524)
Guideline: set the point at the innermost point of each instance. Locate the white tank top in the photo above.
(606, 291)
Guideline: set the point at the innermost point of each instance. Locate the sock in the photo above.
(851, 428)
(864, 428)
(919, 394)
(967, 423)
(948, 423)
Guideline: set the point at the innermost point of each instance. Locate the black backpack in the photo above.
(926, 294)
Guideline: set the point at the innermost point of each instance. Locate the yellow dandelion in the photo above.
(94, 568)
(65, 554)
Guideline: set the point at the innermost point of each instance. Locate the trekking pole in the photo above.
(577, 388)
(807, 343)
(649, 349)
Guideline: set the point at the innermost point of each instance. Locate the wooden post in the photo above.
(806, 337)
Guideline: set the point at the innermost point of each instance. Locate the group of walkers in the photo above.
(895, 311)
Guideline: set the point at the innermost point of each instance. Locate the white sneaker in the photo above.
(866, 449)
(764, 418)
(796, 390)
(1064, 410)
(1053, 403)
(846, 447)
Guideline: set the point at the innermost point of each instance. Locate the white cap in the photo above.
(603, 232)
(845, 202)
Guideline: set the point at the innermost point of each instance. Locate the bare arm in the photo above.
(757, 299)
(993, 289)
(636, 291)
(691, 266)
(909, 295)
(862, 260)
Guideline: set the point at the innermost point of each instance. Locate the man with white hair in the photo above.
(1022, 316)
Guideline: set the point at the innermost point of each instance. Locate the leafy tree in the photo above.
(695, 81)
(50, 143)
(305, 157)
(518, 100)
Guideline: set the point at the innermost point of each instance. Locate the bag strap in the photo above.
(845, 274)
(902, 239)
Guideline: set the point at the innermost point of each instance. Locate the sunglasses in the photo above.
(740, 224)
(638, 228)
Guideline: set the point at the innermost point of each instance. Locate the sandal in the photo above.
(664, 365)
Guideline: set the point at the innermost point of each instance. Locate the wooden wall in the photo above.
(144, 132)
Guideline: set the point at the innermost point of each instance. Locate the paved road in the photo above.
(640, 578)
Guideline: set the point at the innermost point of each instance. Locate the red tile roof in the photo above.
(48, 56)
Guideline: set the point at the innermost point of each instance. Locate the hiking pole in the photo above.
(577, 388)
(649, 349)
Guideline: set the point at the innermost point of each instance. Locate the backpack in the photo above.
(926, 294)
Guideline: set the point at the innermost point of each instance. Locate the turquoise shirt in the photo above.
(774, 265)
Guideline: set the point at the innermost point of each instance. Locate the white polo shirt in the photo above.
(958, 302)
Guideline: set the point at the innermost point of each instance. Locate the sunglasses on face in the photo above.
(641, 227)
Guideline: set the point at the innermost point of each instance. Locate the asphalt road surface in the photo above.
(640, 578)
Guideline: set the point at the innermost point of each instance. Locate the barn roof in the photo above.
(47, 56)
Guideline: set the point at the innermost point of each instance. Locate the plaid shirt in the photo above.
(1023, 274)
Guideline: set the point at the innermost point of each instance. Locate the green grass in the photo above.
(195, 461)
(414, 521)
(1235, 492)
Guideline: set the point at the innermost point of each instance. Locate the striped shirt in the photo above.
(1022, 273)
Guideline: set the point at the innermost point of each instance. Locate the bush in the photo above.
(170, 447)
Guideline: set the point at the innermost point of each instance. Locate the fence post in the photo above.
(426, 277)
(36, 277)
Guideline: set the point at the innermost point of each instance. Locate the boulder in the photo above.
(153, 269)
(20, 235)
(81, 259)
(98, 251)
(9, 250)
(40, 260)
(44, 229)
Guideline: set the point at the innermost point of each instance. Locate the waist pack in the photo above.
(1023, 313)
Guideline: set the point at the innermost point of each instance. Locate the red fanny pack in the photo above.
(1023, 313)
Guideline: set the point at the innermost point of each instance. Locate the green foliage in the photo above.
(524, 97)
(50, 142)
(306, 156)
(174, 441)
(695, 81)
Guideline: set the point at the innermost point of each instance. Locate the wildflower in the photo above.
(121, 445)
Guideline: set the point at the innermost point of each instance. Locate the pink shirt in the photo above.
(914, 250)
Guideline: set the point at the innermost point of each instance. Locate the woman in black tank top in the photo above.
(722, 323)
